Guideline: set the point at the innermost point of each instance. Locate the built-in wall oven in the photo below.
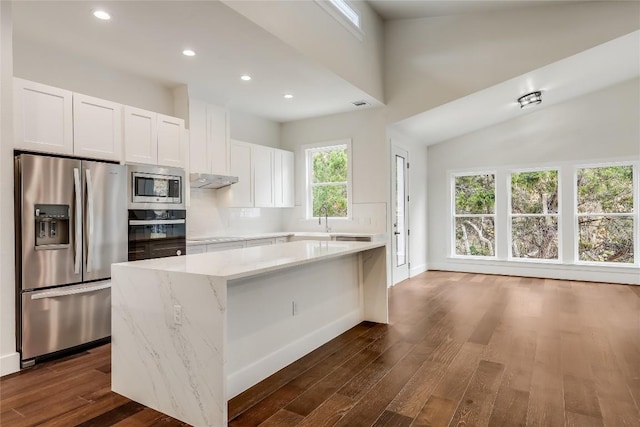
(157, 216)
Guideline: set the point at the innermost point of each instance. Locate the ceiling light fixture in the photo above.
(245, 77)
(530, 99)
(101, 14)
(287, 96)
(188, 52)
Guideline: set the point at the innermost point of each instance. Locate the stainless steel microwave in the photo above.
(155, 187)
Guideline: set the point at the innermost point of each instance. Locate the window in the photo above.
(348, 11)
(344, 12)
(328, 180)
(605, 214)
(474, 214)
(534, 214)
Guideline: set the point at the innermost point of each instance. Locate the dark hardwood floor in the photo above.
(461, 350)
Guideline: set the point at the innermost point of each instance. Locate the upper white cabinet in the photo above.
(283, 178)
(97, 128)
(208, 138)
(263, 176)
(153, 138)
(240, 165)
(43, 117)
(170, 146)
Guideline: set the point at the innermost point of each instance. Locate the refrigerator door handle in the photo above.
(90, 221)
(54, 294)
(78, 242)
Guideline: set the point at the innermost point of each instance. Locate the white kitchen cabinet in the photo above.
(263, 176)
(241, 194)
(170, 147)
(140, 136)
(209, 138)
(215, 247)
(97, 128)
(283, 178)
(196, 249)
(43, 117)
(153, 138)
(260, 242)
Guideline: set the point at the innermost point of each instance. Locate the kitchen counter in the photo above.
(297, 235)
(190, 332)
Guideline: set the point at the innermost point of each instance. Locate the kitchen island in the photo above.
(191, 332)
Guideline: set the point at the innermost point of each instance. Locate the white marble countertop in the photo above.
(246, 262)
(236, 238)
(219, 239)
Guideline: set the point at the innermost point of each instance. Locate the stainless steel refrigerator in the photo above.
(71, 225)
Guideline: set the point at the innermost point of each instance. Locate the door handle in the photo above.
(396, 232)
(54, 294)
(76, 261)
(90, 221)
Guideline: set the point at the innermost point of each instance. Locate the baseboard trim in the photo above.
(9, 364)
(414, 271)
(545, 271)
(241, 380)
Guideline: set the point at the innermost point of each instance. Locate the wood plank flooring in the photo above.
(461, 350)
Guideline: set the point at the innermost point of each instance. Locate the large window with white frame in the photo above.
(533, 210)
(606, 213)
(474, 214)
(328, 179)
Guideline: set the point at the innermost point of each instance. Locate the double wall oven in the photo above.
(157, 216)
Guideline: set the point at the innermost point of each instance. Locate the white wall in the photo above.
(307, 27)
(431, 61)
(418, 209)
(9, 359)
(251, 128)
(370, 174)
(599, 126)
(44, 64)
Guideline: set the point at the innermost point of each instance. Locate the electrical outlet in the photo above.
(294, 308)
(177, 315)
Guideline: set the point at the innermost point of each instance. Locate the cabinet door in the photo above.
(217, 247)
(218, 137)
(283, 179)
(170, 136)
(43, 118)
(241, 194)
(199, 155)
(196, 249)
(140, 136)
(260, 242)
(263, 176)
(97, 128)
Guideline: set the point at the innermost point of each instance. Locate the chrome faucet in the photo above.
(324, 210)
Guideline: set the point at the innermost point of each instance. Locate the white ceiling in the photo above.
(147, 37)
(407, 9)
(596, 68)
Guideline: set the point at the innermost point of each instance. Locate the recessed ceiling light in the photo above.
(287, 96)
(530, 99)
(245, 77)
(101, 14)
(188, 52)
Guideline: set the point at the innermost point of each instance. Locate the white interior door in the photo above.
(400, 215)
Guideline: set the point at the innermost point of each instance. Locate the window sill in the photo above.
(546, 263)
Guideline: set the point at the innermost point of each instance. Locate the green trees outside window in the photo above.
(534, 214)
(475, 198)
(328, 178)
(605, 214)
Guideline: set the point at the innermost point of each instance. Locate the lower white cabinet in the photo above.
(260, 242)
(196, 249)
(215, 247)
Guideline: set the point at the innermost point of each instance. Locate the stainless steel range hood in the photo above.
(204, 180)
